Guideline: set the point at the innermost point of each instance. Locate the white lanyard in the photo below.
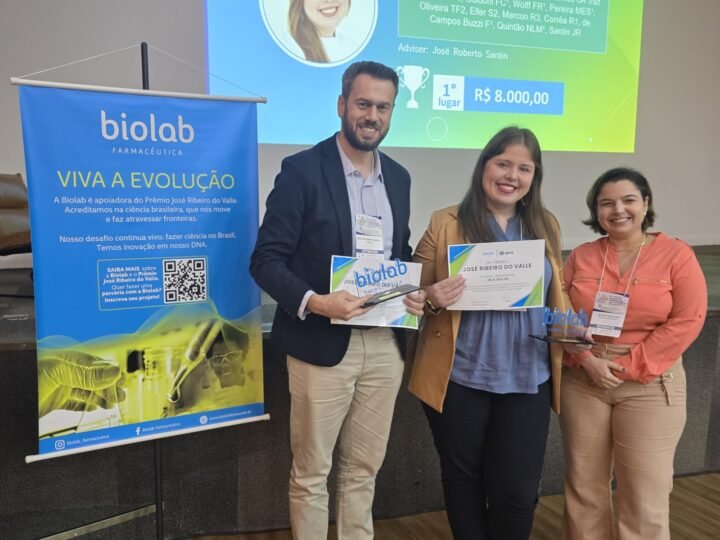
(610, 309)
(632, 271)
(375, 197)
(369, 237)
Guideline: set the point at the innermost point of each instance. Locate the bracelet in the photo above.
(432, 308)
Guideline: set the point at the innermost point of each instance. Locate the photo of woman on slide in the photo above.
(313, 25)
(321, 32)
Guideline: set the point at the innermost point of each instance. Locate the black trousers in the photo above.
(491, 449)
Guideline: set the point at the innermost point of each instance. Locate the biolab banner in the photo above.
(143, 215)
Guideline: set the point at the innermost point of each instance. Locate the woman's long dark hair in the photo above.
(537, 221)
(305, 34)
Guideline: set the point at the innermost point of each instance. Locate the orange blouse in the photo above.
(667, 306)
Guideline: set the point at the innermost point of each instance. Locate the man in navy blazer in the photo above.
(343, 380)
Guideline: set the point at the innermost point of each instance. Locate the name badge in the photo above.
(369, 242)
(608, 314)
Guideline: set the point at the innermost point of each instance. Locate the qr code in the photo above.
(184, 280)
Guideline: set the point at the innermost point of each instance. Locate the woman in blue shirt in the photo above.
(486, 386)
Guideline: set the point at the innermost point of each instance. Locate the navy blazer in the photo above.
(307, 220)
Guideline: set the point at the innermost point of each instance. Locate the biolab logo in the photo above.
(139, 130)
(380, 274)
(569, 317)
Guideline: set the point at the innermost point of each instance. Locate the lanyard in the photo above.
(360, 205)
(372, 188)
(632, 272)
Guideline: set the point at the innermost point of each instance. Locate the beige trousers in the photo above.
(632, 430)
(354, 400)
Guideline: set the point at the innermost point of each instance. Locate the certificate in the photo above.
(499, 275)
(363, 276)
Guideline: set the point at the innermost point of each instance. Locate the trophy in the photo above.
(412, 77)
(565, 327)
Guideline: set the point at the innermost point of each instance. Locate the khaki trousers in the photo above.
(632, 430)
(355, 400)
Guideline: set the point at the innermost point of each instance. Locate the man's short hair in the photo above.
(374, 69)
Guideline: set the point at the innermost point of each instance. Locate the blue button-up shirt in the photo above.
(493, 351)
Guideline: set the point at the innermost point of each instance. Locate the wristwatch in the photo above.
(432, 308)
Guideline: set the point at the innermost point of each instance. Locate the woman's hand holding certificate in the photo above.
(446, 292)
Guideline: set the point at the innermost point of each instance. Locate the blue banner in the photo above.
(143, 215)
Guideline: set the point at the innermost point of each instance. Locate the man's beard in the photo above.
(358, 143)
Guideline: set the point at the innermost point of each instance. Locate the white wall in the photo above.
(40, 34)
(678, 112)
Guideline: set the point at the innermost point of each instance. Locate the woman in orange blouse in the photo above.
(623, 399)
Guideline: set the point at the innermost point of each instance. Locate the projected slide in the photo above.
(568, 69)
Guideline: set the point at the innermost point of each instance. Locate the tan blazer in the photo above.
(435, 348)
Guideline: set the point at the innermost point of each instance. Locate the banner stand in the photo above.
(157, 444)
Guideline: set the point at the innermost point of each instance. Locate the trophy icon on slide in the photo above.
(412, 77)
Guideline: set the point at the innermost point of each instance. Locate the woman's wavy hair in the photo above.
(305, 34)
(537, 221)
(617, 175)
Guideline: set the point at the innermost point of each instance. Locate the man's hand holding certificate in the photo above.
(366, 276)
(499, 275)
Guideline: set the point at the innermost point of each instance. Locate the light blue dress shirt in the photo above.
(493, 351)
(368, 196)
